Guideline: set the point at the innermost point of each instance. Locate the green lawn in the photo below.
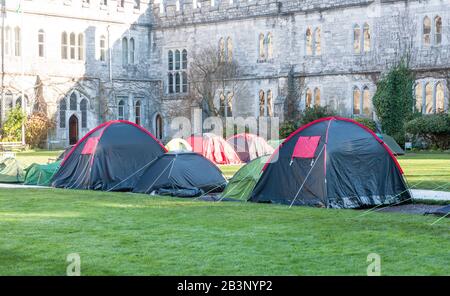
(121, 233)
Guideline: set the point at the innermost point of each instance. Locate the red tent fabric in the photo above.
(249, 146)
(214, 148)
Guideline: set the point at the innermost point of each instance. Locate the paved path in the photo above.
(417, 193)
(430, 194)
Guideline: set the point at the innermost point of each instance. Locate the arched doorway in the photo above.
(73, 130)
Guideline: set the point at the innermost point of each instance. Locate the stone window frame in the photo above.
(313, 31)
(265, 47)
(269, 104)
(179, 76)
(362, 88)
(433, 28)
(361, 26)
(225, 49)
(41, 43)
(75, 43)
(434, 85)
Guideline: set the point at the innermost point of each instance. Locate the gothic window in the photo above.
(8, 101)
(62, 113)
(229, 50)
(177, 60)
(170, 60)
(317, 45)
(309, 42)
(132, 51)
(17, 42)
(221, 50)
(419, 99)
(262, 103)
(72, 45)
(356, 39)
(426, 31)
(177, 83)
(269, 46)
(41, 43)
(170, 83)
(121, 110)
(428, 98)
(83, 108)
(64, 46)
(80, 47)
(440, 97)
(269, 111)
(316, 96)
(356, 101)
(137, 113)
(102, 48)
(124, 51)
(137, 4)
(308, 98)
(73, 102)
(19, 102)
(366, 35)
(184, 59)
(185, 82)
(261, 47)
(177, 71)
(159, 126)
(7, 42)
(366, 104)
(437, 30)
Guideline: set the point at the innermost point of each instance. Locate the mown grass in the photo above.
(127, 234)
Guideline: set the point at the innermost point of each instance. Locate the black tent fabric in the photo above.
(444, 212)
(183, 174)
(110, 157)
(335, 163)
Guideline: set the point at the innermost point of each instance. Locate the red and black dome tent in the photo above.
(110, 157)
(335, 163)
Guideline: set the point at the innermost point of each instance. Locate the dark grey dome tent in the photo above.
(182, 174)
(335, 163)
(110, 157)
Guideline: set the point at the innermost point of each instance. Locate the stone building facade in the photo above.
(135, 56)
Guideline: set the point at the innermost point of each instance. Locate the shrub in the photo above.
(287, 128)
(314, 113)
(393, 101)
(367, 122)
(434, 127)
(37, 128)
(12, 128)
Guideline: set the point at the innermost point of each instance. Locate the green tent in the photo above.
(243, 182)
(392, 144)
(11, 171)
(41, 174)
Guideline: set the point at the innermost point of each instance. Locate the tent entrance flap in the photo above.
(90, 146)
(306, 147)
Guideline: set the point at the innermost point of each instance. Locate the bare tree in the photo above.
(211, 73)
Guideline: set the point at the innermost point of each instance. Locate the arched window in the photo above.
(19, 101)
(428, 98)
(72, 40)
(80, 47)
(437, 30)
(7, 43)
(83, 108)
(73, 102)
(229, 50)
(221, 50)
(8, 101)
(121, 110)
(419, 96)
(137, 113)
(159, 126)
(222, 111)
(124, 51)
(184, 59)
(269, 46)
(262, 103)
(177, 60)
(316, 96)
(170, 60)
(132, 51)
(185, 82)
(308, 98)
(366, 104)
(261, 47)
(62, 113)
(102, 48)
(18, 42)
(170, 84)
(229, 104)
(309, 42)
(426, 31)
(177, 83)
(440, 97)
(64, 46)
(356, 101)
(317, 46)
(366, 35)
(41, 43)
(356, 39)
(269, 103)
